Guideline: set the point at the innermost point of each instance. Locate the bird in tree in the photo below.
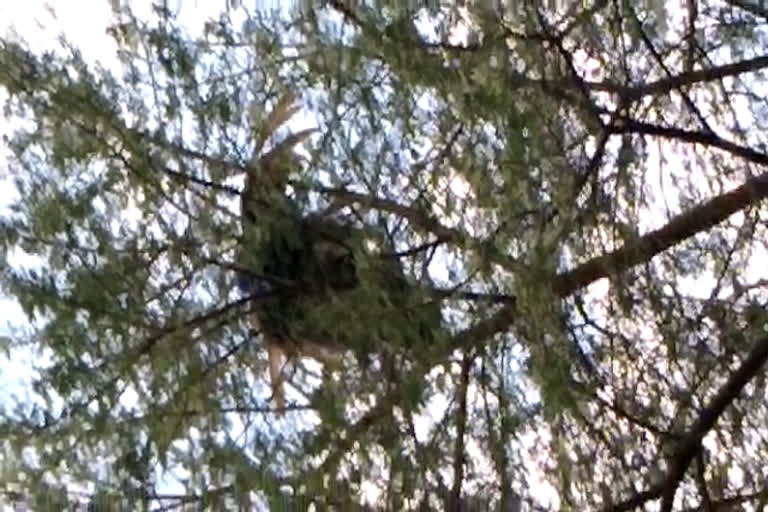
(295, 263)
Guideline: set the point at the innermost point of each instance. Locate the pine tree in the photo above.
(536, 249)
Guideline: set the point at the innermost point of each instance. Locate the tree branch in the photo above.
(454, 504)
(679, 228)
(671, 83)
(643, 249)
(690, 444)
(625, 125)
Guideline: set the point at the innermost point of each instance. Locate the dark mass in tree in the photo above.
(293, 262)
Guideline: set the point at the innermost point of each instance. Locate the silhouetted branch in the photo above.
(685, 225)
(671, 83)
(625, 125)
(454, 504)
(690, 444)
(681, 227)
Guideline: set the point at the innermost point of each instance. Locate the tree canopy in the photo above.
(579, 189)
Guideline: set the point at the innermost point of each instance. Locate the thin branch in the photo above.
(414, 216)
(681, 227)
(728, 393)
(751, 6)
(660, 61)
(694, 137)
(701, 483)
(454, 504)
(643, 249)
(691, 442)
(674, 82)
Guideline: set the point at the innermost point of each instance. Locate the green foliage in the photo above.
(540, 338)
